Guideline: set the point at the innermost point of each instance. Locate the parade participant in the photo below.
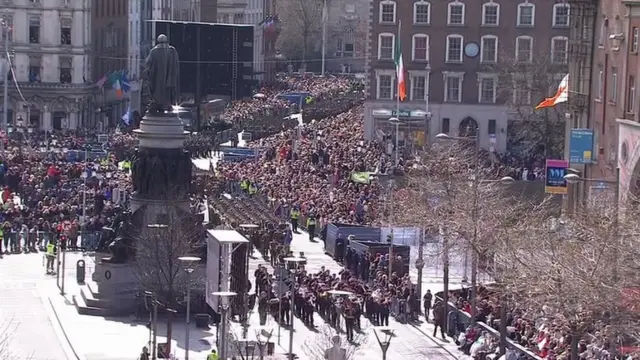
(428, 297)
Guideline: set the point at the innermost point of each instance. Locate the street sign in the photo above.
(555, 182)
(581, 146)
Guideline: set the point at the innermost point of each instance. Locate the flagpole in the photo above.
(398, 82)
(397, 145)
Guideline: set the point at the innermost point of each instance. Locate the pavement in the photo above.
(27, 329)
(63, 334)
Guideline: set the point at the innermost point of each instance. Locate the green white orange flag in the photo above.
(562, 95)
(397, 58)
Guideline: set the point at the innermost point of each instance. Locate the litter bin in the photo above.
(80, 271)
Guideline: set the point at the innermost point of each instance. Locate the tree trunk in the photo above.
(169, 330)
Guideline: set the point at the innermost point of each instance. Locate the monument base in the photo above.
(111, 290)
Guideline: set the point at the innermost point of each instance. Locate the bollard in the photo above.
(80, 271)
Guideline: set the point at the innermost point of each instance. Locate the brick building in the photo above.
(452, 53)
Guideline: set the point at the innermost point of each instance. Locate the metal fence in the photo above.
(13, 240)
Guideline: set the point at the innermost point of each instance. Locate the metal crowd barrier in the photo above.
(88, 240)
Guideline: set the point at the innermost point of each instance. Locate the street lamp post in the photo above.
(296, 261)
(396, 122)
(154, 323)
(474, 211)
(224, 331)
(385, 341)
(188, 261)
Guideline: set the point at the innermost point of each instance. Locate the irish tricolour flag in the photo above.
(397, 58)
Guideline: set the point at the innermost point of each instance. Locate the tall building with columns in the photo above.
(49, 44)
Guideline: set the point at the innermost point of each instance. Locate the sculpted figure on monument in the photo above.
(161, 76)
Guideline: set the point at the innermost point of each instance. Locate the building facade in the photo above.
(615, 100)
(346, 36)
(49, 42)
(110, 29)
(232, 11)
(452, 55)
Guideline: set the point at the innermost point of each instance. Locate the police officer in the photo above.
(50, 255)
(213, 356)
(311, 226)
(294, 215)
(252, 189)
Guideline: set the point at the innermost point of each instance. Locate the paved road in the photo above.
(23, 312)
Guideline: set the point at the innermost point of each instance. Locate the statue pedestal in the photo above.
(161, 131)
(117, 285)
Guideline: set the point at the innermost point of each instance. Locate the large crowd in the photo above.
(306, 169)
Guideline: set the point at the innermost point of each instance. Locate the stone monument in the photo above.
(161, 177)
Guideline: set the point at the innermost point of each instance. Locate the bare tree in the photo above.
(523, 82)
(315, 348)
(158, 247)
(574, 271)
(302, 22)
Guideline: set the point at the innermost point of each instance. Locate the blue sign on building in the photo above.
(581, 146)
(555, 182)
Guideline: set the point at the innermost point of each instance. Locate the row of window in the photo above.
(65, 70)
(487, 86)
(488, 48)
(456, 13)
(613, 88)
(35, 27)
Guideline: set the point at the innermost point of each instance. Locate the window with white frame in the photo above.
(490, 14)
(524, 49)
(385, 82)
(521, 90)
(489, 49)
(420, 47)
(561, 15)
(559, 49)
(454, 48)
(422, 13)
(453, 87)
(456, 13)
(631, 93)
(600, 83)
(526, 15)
(635, 37)
(386, 42)
(418, 86)
(487, 89)
(387, 12)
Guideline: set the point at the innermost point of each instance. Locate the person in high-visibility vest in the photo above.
(311, 226)
(293, 216)
(50, 255)
(213, 356)
(252, 189)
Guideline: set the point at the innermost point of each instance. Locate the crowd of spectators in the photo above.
(546, 336)
(311, 169)
(45, 192)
